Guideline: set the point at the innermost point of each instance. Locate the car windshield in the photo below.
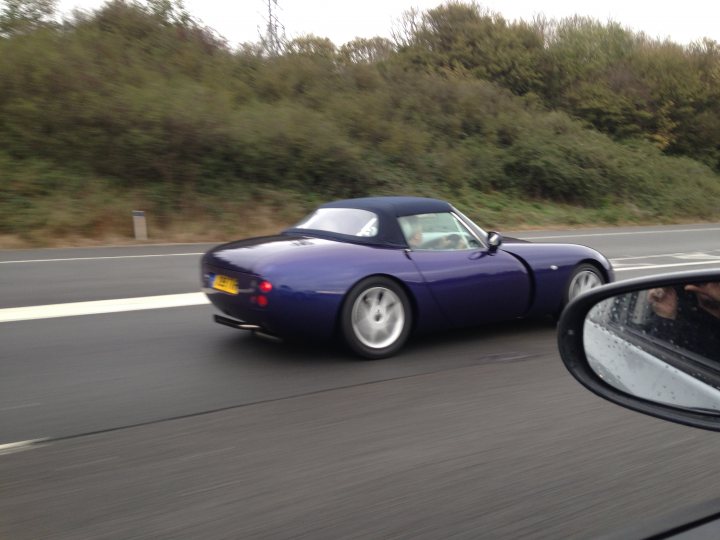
(350, 221)
(470, 223)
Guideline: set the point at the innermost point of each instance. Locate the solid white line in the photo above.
(102, 306)
(619, 233)
(102, 258)
(673, 265)
(17, 446)
(679, 254)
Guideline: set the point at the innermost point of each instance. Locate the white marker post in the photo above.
(139, 225)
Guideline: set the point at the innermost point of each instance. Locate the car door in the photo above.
(470, 282)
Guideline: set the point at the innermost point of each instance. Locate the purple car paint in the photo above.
(314, 272)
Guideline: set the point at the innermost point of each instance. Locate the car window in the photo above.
(440, 231)
(350, 221)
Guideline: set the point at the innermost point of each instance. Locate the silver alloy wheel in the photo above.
(378, 317)
(583, 281)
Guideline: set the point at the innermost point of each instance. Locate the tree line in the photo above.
(145, 97)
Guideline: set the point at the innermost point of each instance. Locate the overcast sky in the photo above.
(342, 20)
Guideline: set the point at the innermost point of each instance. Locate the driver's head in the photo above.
(416, 237)
(413, 231)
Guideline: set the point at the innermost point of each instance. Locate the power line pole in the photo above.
(275, 31)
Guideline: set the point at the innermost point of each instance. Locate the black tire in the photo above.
(376, 318)
(583, 278)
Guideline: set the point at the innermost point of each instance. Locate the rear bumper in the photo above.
(242, 306)
(286, 312)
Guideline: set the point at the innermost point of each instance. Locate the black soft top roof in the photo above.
(388, 209)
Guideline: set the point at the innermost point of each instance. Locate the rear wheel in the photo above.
(376, 318)
(584, 278)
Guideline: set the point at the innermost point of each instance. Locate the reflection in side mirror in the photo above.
(634, 343)
(652, 345)
(494, 240)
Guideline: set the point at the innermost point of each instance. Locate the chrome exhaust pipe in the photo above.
(232, 323)
(240, 325)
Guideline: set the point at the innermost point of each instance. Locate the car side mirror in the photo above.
(494, 240)
(650, 344)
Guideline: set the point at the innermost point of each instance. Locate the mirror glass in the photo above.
(660, 344)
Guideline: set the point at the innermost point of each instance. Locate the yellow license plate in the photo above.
(225, 284)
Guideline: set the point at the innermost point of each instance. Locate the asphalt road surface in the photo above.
(158, 423)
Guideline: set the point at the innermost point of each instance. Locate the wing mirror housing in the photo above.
(650, 344)
(495, 240)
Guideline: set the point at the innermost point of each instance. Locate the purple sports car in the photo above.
(373, 270)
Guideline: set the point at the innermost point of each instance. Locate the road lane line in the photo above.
(698, 255)
(655, 266)
(24, 406)
(617, 233)
(9, 448)
(679, 254)
(103, 258)
(102, 306)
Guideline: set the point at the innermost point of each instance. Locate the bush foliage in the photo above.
(138, 97)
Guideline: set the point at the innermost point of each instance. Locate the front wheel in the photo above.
(584, 278)
(376, 318)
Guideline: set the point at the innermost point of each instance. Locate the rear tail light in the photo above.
(265, 286)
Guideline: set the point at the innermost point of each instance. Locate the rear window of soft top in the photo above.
(349, 221)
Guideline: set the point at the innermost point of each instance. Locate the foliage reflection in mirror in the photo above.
(660, 344)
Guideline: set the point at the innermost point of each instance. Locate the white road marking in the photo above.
(103, 258)
(102, 306)
(13, 407)
(618, 233)
(9, 448)
(680, 254)
(671, 265)
(695, 256)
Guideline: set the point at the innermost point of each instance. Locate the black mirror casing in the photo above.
(573, 353)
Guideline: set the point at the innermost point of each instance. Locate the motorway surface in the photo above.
(157, 423)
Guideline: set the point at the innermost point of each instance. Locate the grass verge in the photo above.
(96, 213)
